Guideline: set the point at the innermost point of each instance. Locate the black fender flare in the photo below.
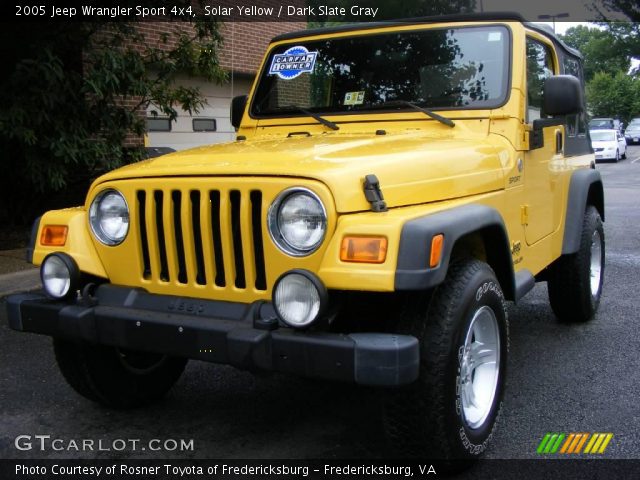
(585, 188)
(413, 271)
(33, 240)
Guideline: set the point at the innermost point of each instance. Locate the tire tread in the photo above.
(93, 372)
(569, 282)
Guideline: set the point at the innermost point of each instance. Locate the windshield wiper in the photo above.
(426, 111)
(323, 121)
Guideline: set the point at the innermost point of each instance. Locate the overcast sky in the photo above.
(562, 27)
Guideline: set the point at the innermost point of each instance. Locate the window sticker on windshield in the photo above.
(494, 36)
(354, 98)
(293, 63)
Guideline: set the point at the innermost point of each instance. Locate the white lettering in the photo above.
(425, 470)
(20, 445)
(31, 470)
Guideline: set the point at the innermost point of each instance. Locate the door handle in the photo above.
(559, 141)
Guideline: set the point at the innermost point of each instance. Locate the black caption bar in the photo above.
(314, 469)
(321, 11)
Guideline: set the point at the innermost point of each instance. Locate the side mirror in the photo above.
(238, 105)
(562, 95)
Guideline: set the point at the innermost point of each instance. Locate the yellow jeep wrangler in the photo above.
(391, 186)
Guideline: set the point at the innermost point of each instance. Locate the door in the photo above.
(541, 178)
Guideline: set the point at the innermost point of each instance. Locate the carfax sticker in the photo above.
(354, 98)
(293, 63)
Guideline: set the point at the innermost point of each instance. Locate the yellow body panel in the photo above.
(423, 167)
(79, 242)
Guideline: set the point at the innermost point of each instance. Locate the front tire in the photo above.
(450, 412)
(575, 280)
(117, 378)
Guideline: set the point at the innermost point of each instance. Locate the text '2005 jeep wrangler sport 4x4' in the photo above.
(392, 185)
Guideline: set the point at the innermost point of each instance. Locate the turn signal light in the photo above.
(437, 242)
(54, 235)
(363, 249)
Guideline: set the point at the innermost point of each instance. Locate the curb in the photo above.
(23, 281)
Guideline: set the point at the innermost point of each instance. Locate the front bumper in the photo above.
(220, 332)
(605, 155)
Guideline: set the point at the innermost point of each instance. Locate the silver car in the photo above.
(632, 133)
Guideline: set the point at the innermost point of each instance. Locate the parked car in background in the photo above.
(608, 144)
(632, 133)
(605, 124)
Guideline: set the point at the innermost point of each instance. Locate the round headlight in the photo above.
(299, 298)
(109, 217)
(59, 275)
(297, 221)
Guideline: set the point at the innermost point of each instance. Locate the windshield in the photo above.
(603, 136)
(601, 123)
(442, 68)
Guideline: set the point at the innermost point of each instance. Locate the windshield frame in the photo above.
(508, 72)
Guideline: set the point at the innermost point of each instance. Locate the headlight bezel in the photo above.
(73, 274)
(274, 229)
(94, 220)
(320, 289)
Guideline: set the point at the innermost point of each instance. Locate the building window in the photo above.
(204, 125)
(157, 124)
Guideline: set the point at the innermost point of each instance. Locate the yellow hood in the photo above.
(413, 167)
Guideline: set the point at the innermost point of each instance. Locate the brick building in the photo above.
(244, 46)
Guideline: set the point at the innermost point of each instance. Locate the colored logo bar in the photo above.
(574, 443)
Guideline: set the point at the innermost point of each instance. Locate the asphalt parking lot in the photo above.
(562, 378)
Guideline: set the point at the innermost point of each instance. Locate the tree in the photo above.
(626, 33)
(616, 96)
(611, 92)
(600, 49)
(74, 91)
(626, 38)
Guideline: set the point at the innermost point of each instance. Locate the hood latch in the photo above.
(373, 193)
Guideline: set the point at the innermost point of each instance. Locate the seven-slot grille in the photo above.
(203, 237)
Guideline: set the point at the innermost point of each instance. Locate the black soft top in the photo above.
(466, 17)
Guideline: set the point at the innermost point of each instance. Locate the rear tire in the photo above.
(117, 378)
(450, 412)
(575, 280)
